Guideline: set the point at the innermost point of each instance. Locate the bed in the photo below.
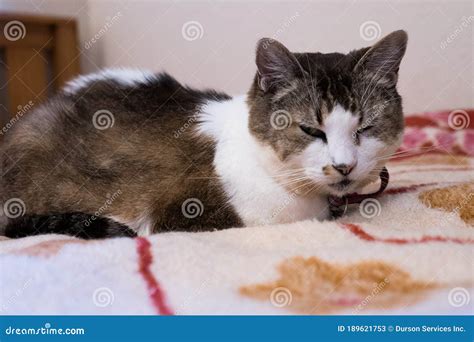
(410, 251)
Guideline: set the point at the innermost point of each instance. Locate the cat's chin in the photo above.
(346, 187)
(340, 191)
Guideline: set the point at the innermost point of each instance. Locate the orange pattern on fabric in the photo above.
(313, 286)
(48, 248)
(434, 159)
(458, 200)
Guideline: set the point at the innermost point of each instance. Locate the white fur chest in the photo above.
(255, 196)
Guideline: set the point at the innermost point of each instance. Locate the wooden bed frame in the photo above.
(38, 54)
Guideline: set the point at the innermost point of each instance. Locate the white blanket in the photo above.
(408, 252)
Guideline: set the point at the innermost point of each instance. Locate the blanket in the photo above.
(410, 251)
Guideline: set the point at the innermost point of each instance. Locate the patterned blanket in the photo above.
(410, 251)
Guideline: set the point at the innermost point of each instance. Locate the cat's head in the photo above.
(330, 120)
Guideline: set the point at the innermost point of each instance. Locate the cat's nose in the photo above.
(344, 169)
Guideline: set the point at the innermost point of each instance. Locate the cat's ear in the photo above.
(382, 61)
(276, 65)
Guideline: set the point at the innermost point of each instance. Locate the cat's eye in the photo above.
(314, 132)
(364, 129)
(361, 130)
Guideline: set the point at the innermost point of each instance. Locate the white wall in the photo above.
(435, 74)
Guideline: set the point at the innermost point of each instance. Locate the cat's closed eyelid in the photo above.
(364, 128)
(314, 132)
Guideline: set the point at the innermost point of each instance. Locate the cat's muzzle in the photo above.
(338, 205)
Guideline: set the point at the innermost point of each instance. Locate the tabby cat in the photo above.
(127, 152)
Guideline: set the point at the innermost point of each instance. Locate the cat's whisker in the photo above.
(386, 61)
(288, 177)
(314, 189)
(384, 104)
(294, 181)
(294, 171)
(305, 185)
(408, 152)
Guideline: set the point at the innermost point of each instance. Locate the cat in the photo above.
(129, 152)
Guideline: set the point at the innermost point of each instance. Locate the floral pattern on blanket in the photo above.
(312, 286)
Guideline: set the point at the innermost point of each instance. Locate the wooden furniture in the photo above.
(38, 55)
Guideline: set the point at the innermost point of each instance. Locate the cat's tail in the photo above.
(81, 225)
